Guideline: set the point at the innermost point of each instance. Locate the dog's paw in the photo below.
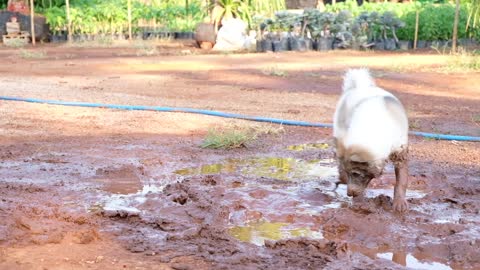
(400, 205)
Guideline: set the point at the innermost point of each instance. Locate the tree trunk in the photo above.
(455, 26)
(32, 21)
(129, 3)
(416, 30)
(69, 20)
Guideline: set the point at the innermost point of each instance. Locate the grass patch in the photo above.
(405, 67)
(27, 54)
(463, 61)
(15, 43)
(415, 124)
(476, 118)
(236, 136)
(274, 71)
(146, 49)
(226, 139)
(100, 42)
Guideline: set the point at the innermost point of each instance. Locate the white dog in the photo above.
(370, 128)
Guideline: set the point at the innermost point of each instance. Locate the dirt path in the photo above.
(105, 189)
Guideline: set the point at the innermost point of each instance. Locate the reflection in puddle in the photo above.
(256, 233)
(410, 261)
(123, 180)
(371, 192)
(411, 194)
(307, 146)
(129, 203)
(270, 167)
(401, 258)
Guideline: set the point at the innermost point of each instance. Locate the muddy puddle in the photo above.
(269, 167)
(410, 261)
(253, 204)
(308, 146)
(257, 232)
(415, 260)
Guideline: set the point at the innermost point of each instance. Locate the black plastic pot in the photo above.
(280, 45)
(324, 44)
(421, 44)
(83, 37)
(77, 38)
(390, 44)
(437, 43)
(467, 42)
(309, 43)
(58, 38)
(405, 45)
(165, 34)
(380, 45)
(266, 45)
(298, 44)
(184, 35)
(258, 46)
(146, 35)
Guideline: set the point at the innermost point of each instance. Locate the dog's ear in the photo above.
(339, 147)
(376, 167)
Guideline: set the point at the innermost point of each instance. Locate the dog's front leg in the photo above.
(401, 174)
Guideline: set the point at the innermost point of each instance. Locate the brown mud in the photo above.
(104, 189)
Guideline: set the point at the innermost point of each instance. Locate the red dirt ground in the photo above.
(85, 188)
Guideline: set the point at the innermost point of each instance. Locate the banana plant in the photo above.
(57, 19)
(227, 9)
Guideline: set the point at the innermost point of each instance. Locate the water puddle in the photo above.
(125, 180)
(126, 203)
(371, 192)
(410, 260)
(121, 185)
(269, 167)
(307, 146)
(257, 232)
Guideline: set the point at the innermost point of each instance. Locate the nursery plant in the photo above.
(56, 19)
(389, 23)
(341, 28)
(226, 9)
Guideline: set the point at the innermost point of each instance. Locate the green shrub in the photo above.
(56, 18)
(435, 20)
(110, 16)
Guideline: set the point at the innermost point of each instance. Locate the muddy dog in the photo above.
(370, 128)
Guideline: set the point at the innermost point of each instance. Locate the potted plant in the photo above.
(266, 37)
(364, 30)
(341, 30)
(390, 23)
(56, 19)
(321, 31)
(281, 26)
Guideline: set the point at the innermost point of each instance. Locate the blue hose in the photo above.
(221, 114)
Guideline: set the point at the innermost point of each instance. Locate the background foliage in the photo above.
(110, 16)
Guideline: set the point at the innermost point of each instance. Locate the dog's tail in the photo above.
(357, 79)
